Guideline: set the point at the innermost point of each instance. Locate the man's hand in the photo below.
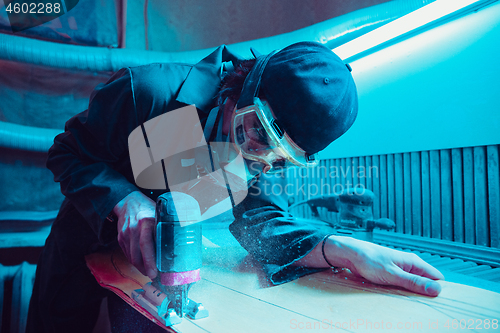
(377, 264)
(136, 223)
(386, 266)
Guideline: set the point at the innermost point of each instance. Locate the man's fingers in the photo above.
(422, 268)
(147, 245)
(136, 212)
(416, 283)
(124, 243)
(426, 270)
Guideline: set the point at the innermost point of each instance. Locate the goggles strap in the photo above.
(209, 125)
(207, 131)
(251, 86)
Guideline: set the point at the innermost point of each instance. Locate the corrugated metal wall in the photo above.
(450, 194)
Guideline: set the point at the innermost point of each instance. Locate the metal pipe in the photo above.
(34, 139)
(331, 32)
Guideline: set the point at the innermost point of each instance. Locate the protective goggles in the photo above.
(259, 138)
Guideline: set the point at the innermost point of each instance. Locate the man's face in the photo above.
(253, 167)
(259, 148)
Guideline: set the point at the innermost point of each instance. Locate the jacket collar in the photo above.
(203, 80)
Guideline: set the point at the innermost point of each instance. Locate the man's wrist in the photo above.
(340, 251)
(323, 251)
(121, 205)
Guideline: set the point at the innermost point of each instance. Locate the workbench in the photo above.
(240, 299)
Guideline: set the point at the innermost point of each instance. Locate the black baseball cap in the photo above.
(310, 90)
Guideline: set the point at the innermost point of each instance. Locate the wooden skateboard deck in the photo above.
(240, 299)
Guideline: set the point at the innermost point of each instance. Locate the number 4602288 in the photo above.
(472, 324)
(33, 8)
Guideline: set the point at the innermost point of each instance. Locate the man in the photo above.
(280, 109)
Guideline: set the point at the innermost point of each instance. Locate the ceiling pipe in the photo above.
(332, 33)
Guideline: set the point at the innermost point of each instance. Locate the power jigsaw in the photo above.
(178, 259)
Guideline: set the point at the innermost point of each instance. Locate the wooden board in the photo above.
(480, 197)
(446, 196)
(416, 196)
(494, 195)
(426, 194)
(399, 195)
(383, 186)
(376, 186)
(458, 195)
(468, 174)
(113, 271)
(435, 177)
(240, 299)
(407, 194)
(391, 201)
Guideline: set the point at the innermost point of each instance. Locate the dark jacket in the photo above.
(91, 161)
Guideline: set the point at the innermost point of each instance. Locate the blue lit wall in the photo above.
(436, 90)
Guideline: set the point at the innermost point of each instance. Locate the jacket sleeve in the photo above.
(273, 236)
(82, 157)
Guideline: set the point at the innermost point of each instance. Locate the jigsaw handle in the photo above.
(178, 234)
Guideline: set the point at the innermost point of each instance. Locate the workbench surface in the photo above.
(240, 299)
